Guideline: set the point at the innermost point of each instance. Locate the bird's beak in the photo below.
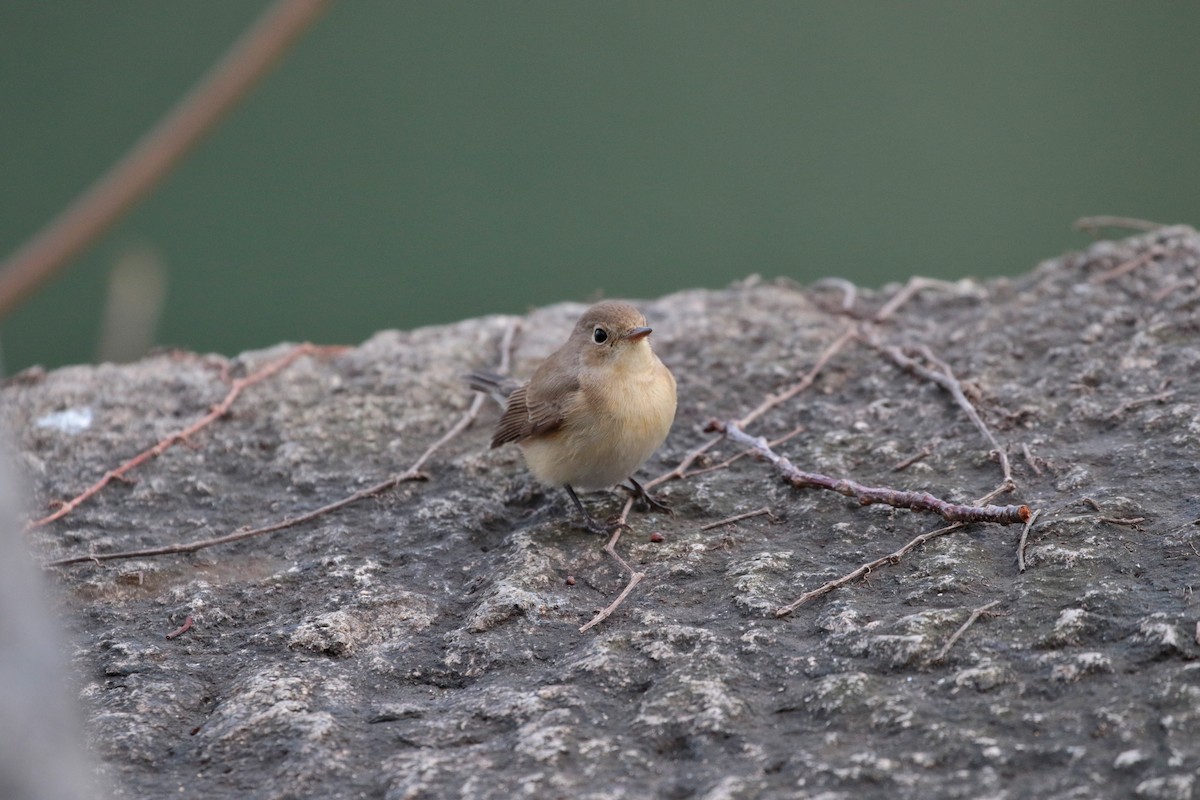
(637, 333)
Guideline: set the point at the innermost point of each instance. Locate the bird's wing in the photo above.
(533, 413)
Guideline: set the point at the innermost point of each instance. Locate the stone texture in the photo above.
(425, 644)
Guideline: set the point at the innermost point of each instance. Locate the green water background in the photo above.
(414, 163)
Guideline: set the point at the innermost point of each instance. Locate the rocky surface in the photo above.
(424, 643)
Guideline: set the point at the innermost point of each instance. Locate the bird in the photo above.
(594, 411)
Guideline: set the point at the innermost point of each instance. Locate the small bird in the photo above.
(594, 411)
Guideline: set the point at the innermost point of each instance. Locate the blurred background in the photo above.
(414, 163)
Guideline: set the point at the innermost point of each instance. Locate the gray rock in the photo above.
(424, 642)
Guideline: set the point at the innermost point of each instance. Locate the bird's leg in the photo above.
(589, 523)
(639, 493)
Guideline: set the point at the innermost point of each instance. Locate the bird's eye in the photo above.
(599, 336)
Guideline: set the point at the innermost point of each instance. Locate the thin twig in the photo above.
(1031, 460)
(1167, 291)
(153, 157)
(183, 435)
(799, 429)
(975, 615)
(924, 453)
(635, 577)
(1127, 266)
(943, 376)
(849, 292)
(412, 473)
(1161, 397)
(1093, 225)
(915, 286)
(739, 517)
(771, 401)
(867, 495)
(181, 630)
(865, 569)
(1025, 539)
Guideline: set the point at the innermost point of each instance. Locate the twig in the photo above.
(1131, 522)
(1161, 397)
(796, 431)
(1025, 539)
(924, 453)
(943, 376)
(635, 577)
(1167, 291)
(412, 473)
(975, 615)
(1093, 225)
(849, 292)
(738, 517)
(1127, 266)
(157, 152)
(771, 401)
(865, 569)
(867, 495)
(915, 286)
(1031, 460)
(183, 435)
(181, 630)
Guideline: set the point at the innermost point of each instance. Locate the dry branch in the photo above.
(867, 495)
(865, 569)
(975, 615)
(770, 402)
(412, 473)
(1025, 539)
(635, 577)
(184, 435)
(943, 376)
(153, 157)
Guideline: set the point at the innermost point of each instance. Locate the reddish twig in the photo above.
(924, 453)
(943, 376)
(866, 569)
(975, 615)
(867, 495)
(1161, 397)
(1093, 225)
(849, 292)
(738, 517)
(915, 286)
(771, 401)
(635, 577)
(157, 152)
(1025, 539)
(181, 630)
(217, 411)
(1128, 266)
(796, 431)
(413, 473)
(1031, 460)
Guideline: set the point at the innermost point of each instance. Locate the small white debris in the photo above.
(71, 421)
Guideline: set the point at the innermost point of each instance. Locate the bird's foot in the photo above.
(648, 501)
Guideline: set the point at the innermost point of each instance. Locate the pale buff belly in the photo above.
(604, 449)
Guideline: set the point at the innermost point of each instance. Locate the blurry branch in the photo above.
(1093, 225)
(867, 495)
(158, 151)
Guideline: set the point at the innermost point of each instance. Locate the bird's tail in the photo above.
(490, 383)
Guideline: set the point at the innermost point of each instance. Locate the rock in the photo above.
(424, 641)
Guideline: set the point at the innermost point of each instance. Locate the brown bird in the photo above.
(594, 411)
